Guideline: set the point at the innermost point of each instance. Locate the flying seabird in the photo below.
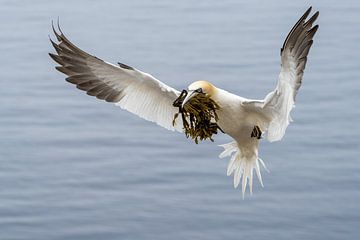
(245, 120)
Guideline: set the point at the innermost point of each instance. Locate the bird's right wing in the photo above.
(277, 104)
(133, 90)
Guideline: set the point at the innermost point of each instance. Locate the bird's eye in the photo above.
(199, 90)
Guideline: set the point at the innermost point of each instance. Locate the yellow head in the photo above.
(199, 87)
(202, 86)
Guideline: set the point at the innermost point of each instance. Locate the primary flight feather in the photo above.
(245, 120)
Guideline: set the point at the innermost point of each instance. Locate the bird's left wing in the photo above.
(277, 105)
(133, 90)
(294, 53)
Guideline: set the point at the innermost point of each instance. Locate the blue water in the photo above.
(73, 167)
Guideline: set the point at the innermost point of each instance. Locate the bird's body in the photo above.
(242, 119)
(237, 120)
(234, 119)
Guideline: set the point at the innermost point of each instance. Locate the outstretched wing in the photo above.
(133, 90)
(276, 106)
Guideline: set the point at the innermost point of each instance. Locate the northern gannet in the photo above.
(243, 119)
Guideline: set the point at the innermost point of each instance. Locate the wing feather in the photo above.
(274, 111)
(294, 54)
(133, 90)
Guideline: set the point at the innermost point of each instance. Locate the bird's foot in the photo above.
(256, 132)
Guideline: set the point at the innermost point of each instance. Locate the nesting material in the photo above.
(198, 116)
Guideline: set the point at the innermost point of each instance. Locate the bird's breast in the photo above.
(233, 118)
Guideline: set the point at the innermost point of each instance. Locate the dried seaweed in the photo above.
(199, 116)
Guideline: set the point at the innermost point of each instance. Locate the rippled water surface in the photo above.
(73, 167)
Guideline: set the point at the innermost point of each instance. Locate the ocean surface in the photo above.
(76, 168)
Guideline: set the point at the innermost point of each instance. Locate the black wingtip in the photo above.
(58, 32)
(302, 22)
(56, 58)
(312, 19)
(55, 32)
(52, 26)
(58, 26)
(306, 14)
(125, 66)
(315, 28)
(55, 46)
(308, 10)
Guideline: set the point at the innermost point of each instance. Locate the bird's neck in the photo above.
(224, 98)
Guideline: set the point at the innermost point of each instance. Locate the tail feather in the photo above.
(242, 167)
(229, 148)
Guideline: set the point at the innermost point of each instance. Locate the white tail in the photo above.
(242, 166)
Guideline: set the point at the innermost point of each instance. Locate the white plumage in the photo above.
(242, 119)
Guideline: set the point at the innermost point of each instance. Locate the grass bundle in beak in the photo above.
(198, 115)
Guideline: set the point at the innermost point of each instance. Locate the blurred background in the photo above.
(74, 167)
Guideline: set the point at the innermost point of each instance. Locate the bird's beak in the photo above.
(190, 95)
